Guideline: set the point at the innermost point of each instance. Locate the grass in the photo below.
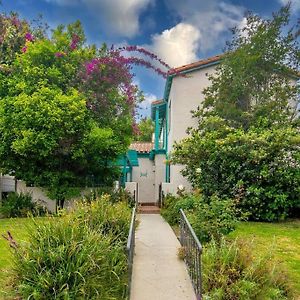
(19, 229)
(282, 238)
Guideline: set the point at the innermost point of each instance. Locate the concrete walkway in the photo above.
(158, 274)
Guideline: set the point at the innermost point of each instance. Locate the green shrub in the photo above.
(213, 219)
(104, 217)
(210, 218)
(80, 255)
(20, 205)
(116, 195)
(230, 272)
(173, 204)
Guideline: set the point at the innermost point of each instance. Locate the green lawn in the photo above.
(282, 238)
(18, 228)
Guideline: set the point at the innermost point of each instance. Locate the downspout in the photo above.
(156, 128)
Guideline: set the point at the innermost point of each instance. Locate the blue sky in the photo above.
(178, 31)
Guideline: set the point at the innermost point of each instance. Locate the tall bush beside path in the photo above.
(80, 255)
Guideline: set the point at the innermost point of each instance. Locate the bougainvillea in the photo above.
(67, 109)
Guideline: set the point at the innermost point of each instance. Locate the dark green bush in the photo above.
(210, 218)
(172, 205)
(80, 255)
(231, 272)
(213, 219)
(20, 205)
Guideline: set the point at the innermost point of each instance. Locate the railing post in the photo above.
(130, 249)
(192, 253)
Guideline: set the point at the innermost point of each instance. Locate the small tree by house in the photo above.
(145, 130)
(247, 144)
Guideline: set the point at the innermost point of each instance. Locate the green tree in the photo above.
(50, 135)
(145, 130)
(246, 145)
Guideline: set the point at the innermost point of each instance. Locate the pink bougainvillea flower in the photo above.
(24, 49)
(15, 21)
(59, 54)
(29, 37)
(75, 41)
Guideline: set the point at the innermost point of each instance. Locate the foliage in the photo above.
(246, 145)
(230, 271)
(106, 217)
(20, 205)
(67, 109)
(214, 219)
(12, 38)
(145, 130)
(50, 135)
(173, 204)
(210, 219)
(80, 255)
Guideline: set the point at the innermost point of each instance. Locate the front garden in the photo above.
(240, 260)
(79, 254)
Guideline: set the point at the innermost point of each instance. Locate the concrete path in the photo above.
(158, 274)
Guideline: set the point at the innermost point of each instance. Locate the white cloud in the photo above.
(178, 45)
(145, 107)
(122, 16)
(202, 28)
(295, 4)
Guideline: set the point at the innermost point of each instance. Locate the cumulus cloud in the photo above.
(203, 26)
(178, 45)
(144, 107)
(212, 18)
(122, 16)
(295, 4)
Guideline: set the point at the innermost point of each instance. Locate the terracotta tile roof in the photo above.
(199, 63)
(141, 147)
(157, 102)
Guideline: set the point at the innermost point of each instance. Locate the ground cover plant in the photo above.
(282, 239)
(240, 260)
(20, 205)
(230, 271)
(78, 255)
(19, 228)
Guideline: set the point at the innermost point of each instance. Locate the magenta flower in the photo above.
(16, 22)
(24, 49)
(29, 37)
(74, 42)
(59, 54)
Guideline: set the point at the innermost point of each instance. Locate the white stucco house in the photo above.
(172, 117)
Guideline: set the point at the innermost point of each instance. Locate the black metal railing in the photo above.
(130, 249)
(161, 196)
(192, 251)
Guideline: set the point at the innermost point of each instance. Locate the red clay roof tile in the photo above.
(141, 147)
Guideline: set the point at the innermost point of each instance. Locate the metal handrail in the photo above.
(192, 253)
(130, 248)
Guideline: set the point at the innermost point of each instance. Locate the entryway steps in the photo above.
(148, 209)
(158, 273)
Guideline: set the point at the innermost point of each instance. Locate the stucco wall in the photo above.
(144, 175)
(160, 173)
(37, 194)
(185, 95)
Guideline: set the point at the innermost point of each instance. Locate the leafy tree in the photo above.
(246, 145)
(50, 135)
(145, 130)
